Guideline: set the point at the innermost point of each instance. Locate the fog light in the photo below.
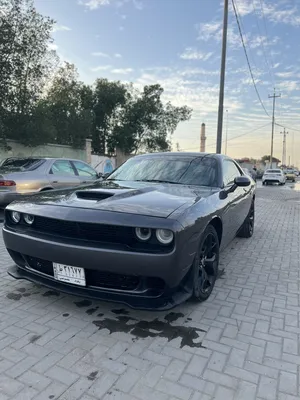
(29, 219)
(143, 234)
(15, 216)
(164, 236)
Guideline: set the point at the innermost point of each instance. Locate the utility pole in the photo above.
(222, 79)
(226, 131)
(274, 96)
(284, 133)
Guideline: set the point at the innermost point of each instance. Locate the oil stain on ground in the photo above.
(91, 311)
(155, 328)
(14, 296)
(50, 293)
(83, 303)
(22, 292)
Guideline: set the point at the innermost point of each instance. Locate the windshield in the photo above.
(200, 171)
(20, 164)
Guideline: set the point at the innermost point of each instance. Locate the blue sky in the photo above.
(178, 43)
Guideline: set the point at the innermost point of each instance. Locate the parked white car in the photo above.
(273, 176)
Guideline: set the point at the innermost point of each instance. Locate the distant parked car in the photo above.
(29, 175)
(290, 174)
(259, 174)
(273, 176)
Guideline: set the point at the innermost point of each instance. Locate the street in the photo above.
(241, 344)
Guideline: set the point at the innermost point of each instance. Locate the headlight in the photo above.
(164, 236)
(143, 234)
(15, 216)
(29, 219)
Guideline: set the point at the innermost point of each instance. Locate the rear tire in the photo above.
(206, 265)
(247, 228)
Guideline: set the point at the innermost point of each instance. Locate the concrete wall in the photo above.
(48, 150)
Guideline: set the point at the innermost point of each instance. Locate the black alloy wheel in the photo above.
(247, 228)
(206, 263)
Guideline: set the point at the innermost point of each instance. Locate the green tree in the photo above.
(146, 123)
(68, 103)
(25, 63)
(108, 101)
(266, 159)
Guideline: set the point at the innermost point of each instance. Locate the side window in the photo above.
(230, 172)
(84, 169)
(62, 167)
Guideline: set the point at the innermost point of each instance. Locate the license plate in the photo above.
(68, 274)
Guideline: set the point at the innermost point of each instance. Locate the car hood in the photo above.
(151, 199)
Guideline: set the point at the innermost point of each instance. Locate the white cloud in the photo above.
(121, 28)
(121, 71)
(208, 30)
(193, 54)
(276, 12)
(289, 86)
(100, 54)
(57, 28)
(52, 46)
(214, 31)
(101, 68)
(117, 55)
(289, 74)
(94, 4)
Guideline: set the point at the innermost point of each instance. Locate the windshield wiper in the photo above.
(157, 181)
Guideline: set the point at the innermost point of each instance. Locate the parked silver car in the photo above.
(23, 176)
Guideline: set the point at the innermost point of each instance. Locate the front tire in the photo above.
(247, 228)
(206, 265)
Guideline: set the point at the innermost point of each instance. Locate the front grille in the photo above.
(100, 279)
(91, 234)
(85, 231)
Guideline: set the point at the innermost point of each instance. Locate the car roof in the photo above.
(42, 158)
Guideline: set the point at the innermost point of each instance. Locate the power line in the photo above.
(234, 137)
(265, 25)
(263, 44)
(288, 127)
(247, 58)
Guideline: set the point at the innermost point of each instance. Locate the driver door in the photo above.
(238, 202)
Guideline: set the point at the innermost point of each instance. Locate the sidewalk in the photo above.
(242, 344)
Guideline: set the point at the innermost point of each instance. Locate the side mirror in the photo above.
(242, 181)
(239, 181)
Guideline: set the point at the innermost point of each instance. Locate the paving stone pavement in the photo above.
(242, 344)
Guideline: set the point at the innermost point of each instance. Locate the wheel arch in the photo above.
(216, 222)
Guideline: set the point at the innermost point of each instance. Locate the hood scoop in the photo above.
(95, 195)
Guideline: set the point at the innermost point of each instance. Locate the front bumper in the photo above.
(163, 279)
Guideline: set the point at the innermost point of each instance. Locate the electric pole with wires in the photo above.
(274, 96)
(222, 79)
(284, 133)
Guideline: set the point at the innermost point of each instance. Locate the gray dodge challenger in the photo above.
(148, 236)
